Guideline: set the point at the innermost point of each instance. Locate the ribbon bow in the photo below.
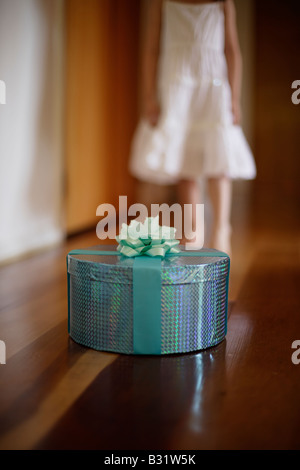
(148, 238)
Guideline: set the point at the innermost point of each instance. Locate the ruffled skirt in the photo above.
(195, 136)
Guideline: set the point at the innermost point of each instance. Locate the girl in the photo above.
(190, 127)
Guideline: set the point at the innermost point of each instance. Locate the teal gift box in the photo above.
(147, 305)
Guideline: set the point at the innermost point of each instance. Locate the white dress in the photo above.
(195, 136)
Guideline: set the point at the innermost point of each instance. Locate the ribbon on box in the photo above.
(148, 252)
(147, 239)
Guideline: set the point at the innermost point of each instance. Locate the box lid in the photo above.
(177, 269)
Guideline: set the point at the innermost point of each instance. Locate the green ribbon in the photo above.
(147, 295)
(146, 305)
(147, 238)
(131, 248)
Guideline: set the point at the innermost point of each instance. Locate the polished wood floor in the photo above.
(242, 394)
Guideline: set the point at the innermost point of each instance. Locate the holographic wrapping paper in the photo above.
(193, 302)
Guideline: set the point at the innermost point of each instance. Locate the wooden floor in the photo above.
(242, 394)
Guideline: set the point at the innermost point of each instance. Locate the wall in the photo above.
(277, 136)
(102, 43)
(31, 40)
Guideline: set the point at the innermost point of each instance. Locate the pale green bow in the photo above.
(148, 238)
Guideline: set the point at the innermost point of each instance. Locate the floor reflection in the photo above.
(144, 403)
(209, 364)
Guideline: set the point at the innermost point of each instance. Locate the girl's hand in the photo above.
(236, 113)
(152, 111)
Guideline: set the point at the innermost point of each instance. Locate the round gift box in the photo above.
(193, 293)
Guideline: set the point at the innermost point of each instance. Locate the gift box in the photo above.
(147, 305)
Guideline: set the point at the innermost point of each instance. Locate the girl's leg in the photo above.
(188, 193)
(220, 191)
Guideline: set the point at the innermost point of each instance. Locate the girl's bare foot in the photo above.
(221, 240)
